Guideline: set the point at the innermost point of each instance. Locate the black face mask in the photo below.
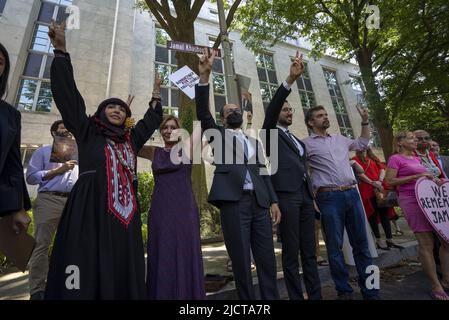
(234, 120)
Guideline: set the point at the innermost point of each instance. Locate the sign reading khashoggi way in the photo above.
(188, 47)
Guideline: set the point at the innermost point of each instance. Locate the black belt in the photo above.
(249, 192)
(56, 193)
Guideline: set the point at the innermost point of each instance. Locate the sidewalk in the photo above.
(14, 284)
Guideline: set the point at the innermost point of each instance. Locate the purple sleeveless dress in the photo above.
(175, 265)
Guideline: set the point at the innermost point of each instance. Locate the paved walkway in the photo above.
(14, 284)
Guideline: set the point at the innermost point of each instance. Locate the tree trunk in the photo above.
(209, 215)
(377, 108)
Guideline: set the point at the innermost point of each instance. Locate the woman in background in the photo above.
(403, 170)
(372, 181)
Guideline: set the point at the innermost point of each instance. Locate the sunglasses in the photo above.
(423, 138)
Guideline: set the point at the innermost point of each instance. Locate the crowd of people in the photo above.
(91, 204)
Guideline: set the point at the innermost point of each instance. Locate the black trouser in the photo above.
(382, 213)
(298, 238)
(246, 224)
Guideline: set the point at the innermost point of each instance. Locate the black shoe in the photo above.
(394, 245)
(37, 296)
(382, 248)
(345, 296)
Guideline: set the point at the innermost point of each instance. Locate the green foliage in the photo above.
(144, 193)
(145, 236)
(210, 223)
(403, 64)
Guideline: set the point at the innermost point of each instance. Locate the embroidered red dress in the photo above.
(98, 250)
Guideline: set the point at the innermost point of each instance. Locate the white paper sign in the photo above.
(185, 79)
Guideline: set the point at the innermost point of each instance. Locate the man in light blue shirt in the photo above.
(55, 182)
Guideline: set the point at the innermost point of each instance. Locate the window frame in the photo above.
(2, 6)
(375, 138)
(221, 75)
(167, 107)
(41, 80)
(272, 86)
(341, 111)
(304, 92)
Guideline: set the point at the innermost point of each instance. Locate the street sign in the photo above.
(187, 47)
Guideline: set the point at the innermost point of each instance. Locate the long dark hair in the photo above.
(5, 75)
(369, 154)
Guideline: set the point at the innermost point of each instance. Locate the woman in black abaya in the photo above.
(98, 250)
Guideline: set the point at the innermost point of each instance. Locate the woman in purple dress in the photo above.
(175, 265)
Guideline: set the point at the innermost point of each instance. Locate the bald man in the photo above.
(426, 156)
(242, 194)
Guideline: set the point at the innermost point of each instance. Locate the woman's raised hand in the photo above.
(56, 32)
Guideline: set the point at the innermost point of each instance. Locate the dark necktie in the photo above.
(292, 138)
(245, 148)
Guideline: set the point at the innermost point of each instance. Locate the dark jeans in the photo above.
(339, 210)
(382, 215)
(246, 224)
(298, 238)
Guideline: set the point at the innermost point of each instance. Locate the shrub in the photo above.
(144, 193)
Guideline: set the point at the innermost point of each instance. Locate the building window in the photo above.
(2, 6)
(214, 14)
(338, 103)
(219, 82)
(305, 90)
(26, 151)
(166, 64)
(34, 91)
(267, 77)
(359, 92)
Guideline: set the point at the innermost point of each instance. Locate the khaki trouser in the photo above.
(46, 213)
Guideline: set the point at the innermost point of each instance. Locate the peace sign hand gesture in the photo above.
(296, 69)
(363, 113)
(205, 64)
(56, 32)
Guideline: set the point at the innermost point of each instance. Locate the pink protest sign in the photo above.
(434, 202)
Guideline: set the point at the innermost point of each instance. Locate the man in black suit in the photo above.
(292, 185)
(243, 195)
(14, 199)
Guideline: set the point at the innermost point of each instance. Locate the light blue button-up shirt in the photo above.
(40, 165)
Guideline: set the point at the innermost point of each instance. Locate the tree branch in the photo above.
(325, 9)
(196, 8)
(404, 88)
(386, 60)
(170, 19)
(155, 8)
(229, 20)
